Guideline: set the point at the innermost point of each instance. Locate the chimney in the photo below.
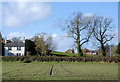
(23, 39)
(5, 40)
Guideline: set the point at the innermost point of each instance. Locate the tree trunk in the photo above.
(103, 50)
(78, 42)
(80, 53)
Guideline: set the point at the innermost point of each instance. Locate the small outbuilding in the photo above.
(69, 51)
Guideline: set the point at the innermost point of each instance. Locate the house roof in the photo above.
(69, 50)
(14, 44)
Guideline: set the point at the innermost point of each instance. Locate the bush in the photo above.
(26, 60)
(21, 58)
(10, 58)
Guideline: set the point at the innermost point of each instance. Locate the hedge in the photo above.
(27, 59)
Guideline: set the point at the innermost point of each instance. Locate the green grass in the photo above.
(72, 54)
(63, 53)
(61, 71)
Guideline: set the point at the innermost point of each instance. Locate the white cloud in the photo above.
(17, 34)
(63, 43)
(88, 14)
(66, 43)
(54, 35)
(21, 13)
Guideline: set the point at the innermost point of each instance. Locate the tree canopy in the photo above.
(44, 44)
(118, 49)
(30, 47)
(101, 27)
(78, 27)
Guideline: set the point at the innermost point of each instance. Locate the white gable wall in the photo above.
(15, 51)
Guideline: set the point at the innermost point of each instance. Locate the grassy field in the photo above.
(64, 54)
(59, 71)
(70, 54)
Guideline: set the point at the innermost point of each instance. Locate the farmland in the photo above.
(59, 71)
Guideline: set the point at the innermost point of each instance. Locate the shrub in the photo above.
(21, 58)
(26, 60)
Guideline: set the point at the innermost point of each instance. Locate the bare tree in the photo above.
(44, 44)
(16, 39)
(101, 28)
(75, 26)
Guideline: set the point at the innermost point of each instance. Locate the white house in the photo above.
(14, 49)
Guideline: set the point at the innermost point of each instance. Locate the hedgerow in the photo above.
(115, 59)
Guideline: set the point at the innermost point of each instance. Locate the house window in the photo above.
(18, 48)
(9, 48)
(10, 54)
(18, 54)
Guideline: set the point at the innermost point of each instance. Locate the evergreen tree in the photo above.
(118, 49)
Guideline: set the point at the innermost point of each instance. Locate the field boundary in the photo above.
(29, 59)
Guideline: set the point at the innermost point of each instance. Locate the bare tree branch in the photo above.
(75, 26)
(108, 39)
(101, 27)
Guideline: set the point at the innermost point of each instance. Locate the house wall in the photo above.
(90, 53)
(14, 51)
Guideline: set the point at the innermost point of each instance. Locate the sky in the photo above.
(29, 18)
